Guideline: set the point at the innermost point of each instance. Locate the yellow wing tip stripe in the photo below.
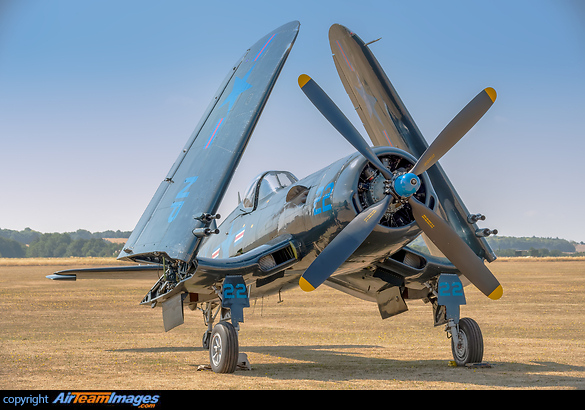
(306, 286)
(491, 93)
(303, 79)
(497, 293)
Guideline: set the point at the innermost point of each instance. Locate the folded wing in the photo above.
(388, 122)
(197, 182)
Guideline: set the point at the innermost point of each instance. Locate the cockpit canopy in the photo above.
(265, 185)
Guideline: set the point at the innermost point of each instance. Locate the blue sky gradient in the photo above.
(97, 98)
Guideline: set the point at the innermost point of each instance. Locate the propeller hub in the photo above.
(407, 184)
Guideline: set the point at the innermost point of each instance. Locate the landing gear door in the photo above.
(173, 315)
(235, 297)
(390, 302)
(451, 295)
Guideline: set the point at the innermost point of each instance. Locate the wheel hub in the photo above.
(461, 348)
(216, 350)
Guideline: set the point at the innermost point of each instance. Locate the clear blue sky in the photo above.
(98, 97)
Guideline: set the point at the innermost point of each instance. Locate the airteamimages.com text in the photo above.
(82, 398)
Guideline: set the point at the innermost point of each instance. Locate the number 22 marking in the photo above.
(240, 291)
(456, 290)
(319, 202)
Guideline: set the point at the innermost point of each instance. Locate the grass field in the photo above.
(93, 334)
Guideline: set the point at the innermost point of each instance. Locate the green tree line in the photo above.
(522, 246)
(27, 235)
(60, 245)
(528, 243)
(82, 243)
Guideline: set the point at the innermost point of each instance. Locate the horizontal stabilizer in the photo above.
(110, 272)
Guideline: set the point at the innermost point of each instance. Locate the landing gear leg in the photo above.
(465, 334)
(222, 339)
(209, 318)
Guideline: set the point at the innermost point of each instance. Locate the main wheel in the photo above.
(223, 349)
(469, 349)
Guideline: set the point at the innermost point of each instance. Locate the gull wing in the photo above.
(197, 181)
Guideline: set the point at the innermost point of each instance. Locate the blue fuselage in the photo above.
(313, 210)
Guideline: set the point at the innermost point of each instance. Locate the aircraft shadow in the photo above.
(335, 363)
(162, 349)
(350, 362)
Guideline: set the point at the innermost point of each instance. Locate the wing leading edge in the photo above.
(197, 181)
(388, 122)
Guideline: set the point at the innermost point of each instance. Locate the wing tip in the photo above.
(58, 276)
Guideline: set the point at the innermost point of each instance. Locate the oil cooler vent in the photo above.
(280, 257)
(267, 262)
(413, 260)
(409, 259)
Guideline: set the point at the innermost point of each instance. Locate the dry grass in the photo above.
(543, 259)
(93, 334)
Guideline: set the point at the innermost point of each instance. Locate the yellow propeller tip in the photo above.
(491, 93)
(303, 79)
(306, 286)
(497, 293)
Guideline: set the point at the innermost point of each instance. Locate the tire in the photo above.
(470, 346)
(223, 348)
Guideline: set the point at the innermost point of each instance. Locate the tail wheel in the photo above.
(223, 348)
(469, 348)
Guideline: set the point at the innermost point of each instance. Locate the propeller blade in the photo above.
(456, 250)
(334, 115)
(455, 130)
(343, 245)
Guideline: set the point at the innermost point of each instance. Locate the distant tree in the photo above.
(81, 234)
(533, 252)
(11, 249)
(58, 245)
(49, 245)
(505, 252)
(75, 248)
(25, 236)
(526, 243)
(114, 234)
